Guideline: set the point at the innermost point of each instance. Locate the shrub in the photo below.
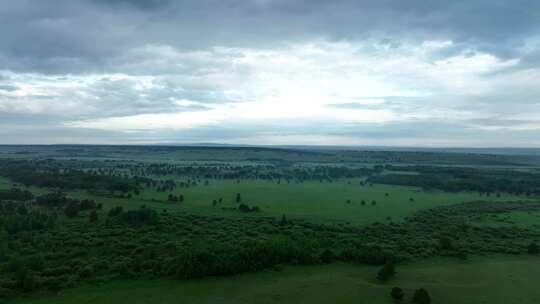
(397, 293)
(533, 248)
(386, 272)
(421, 296)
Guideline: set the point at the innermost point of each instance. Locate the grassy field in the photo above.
(314, 201)
(497, 280)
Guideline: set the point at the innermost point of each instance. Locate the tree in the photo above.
(88, 204)
(238, 198)
(93, 216)
(386, 272)
(22, 210)
(327, 256)
(72, 209)
(283, 221)
(533, 248)
(421, 296)
(445, 243)
(115, 211)
(28, 282)
(397, 293)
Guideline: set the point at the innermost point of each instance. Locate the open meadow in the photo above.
(338, 201)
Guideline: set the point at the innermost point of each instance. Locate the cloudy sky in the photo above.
(341, 72)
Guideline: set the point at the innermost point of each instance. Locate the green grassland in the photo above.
(321, 202)
(314, 201)
(497, 280)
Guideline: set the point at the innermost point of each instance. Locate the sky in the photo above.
(271, 72)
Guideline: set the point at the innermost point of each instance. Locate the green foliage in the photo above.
(246, 208)
(397, 293)
(115, 211)
(15, 194)
(72, 209)
(46, 174)
(455, 179)
(533, 248)
(283, 221)
(142, 216)
(445, 243)
(421, 296)
(386, 272)
(93, 217)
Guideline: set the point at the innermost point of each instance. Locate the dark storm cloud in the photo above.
(80, 36)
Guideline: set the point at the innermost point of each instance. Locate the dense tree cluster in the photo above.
(138, 217)
(43, 174)
(16, 194)
(452, 179)
(39, 253)
(17, 217)
(71, 206)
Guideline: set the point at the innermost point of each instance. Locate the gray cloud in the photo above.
(8, 88)
(74, 60)
(80, 36)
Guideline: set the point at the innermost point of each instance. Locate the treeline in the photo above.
(290, 171)
(19, 217)
(139, 217)
(463, 179)
(71, 206)
(33, 173)
(16, 194)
